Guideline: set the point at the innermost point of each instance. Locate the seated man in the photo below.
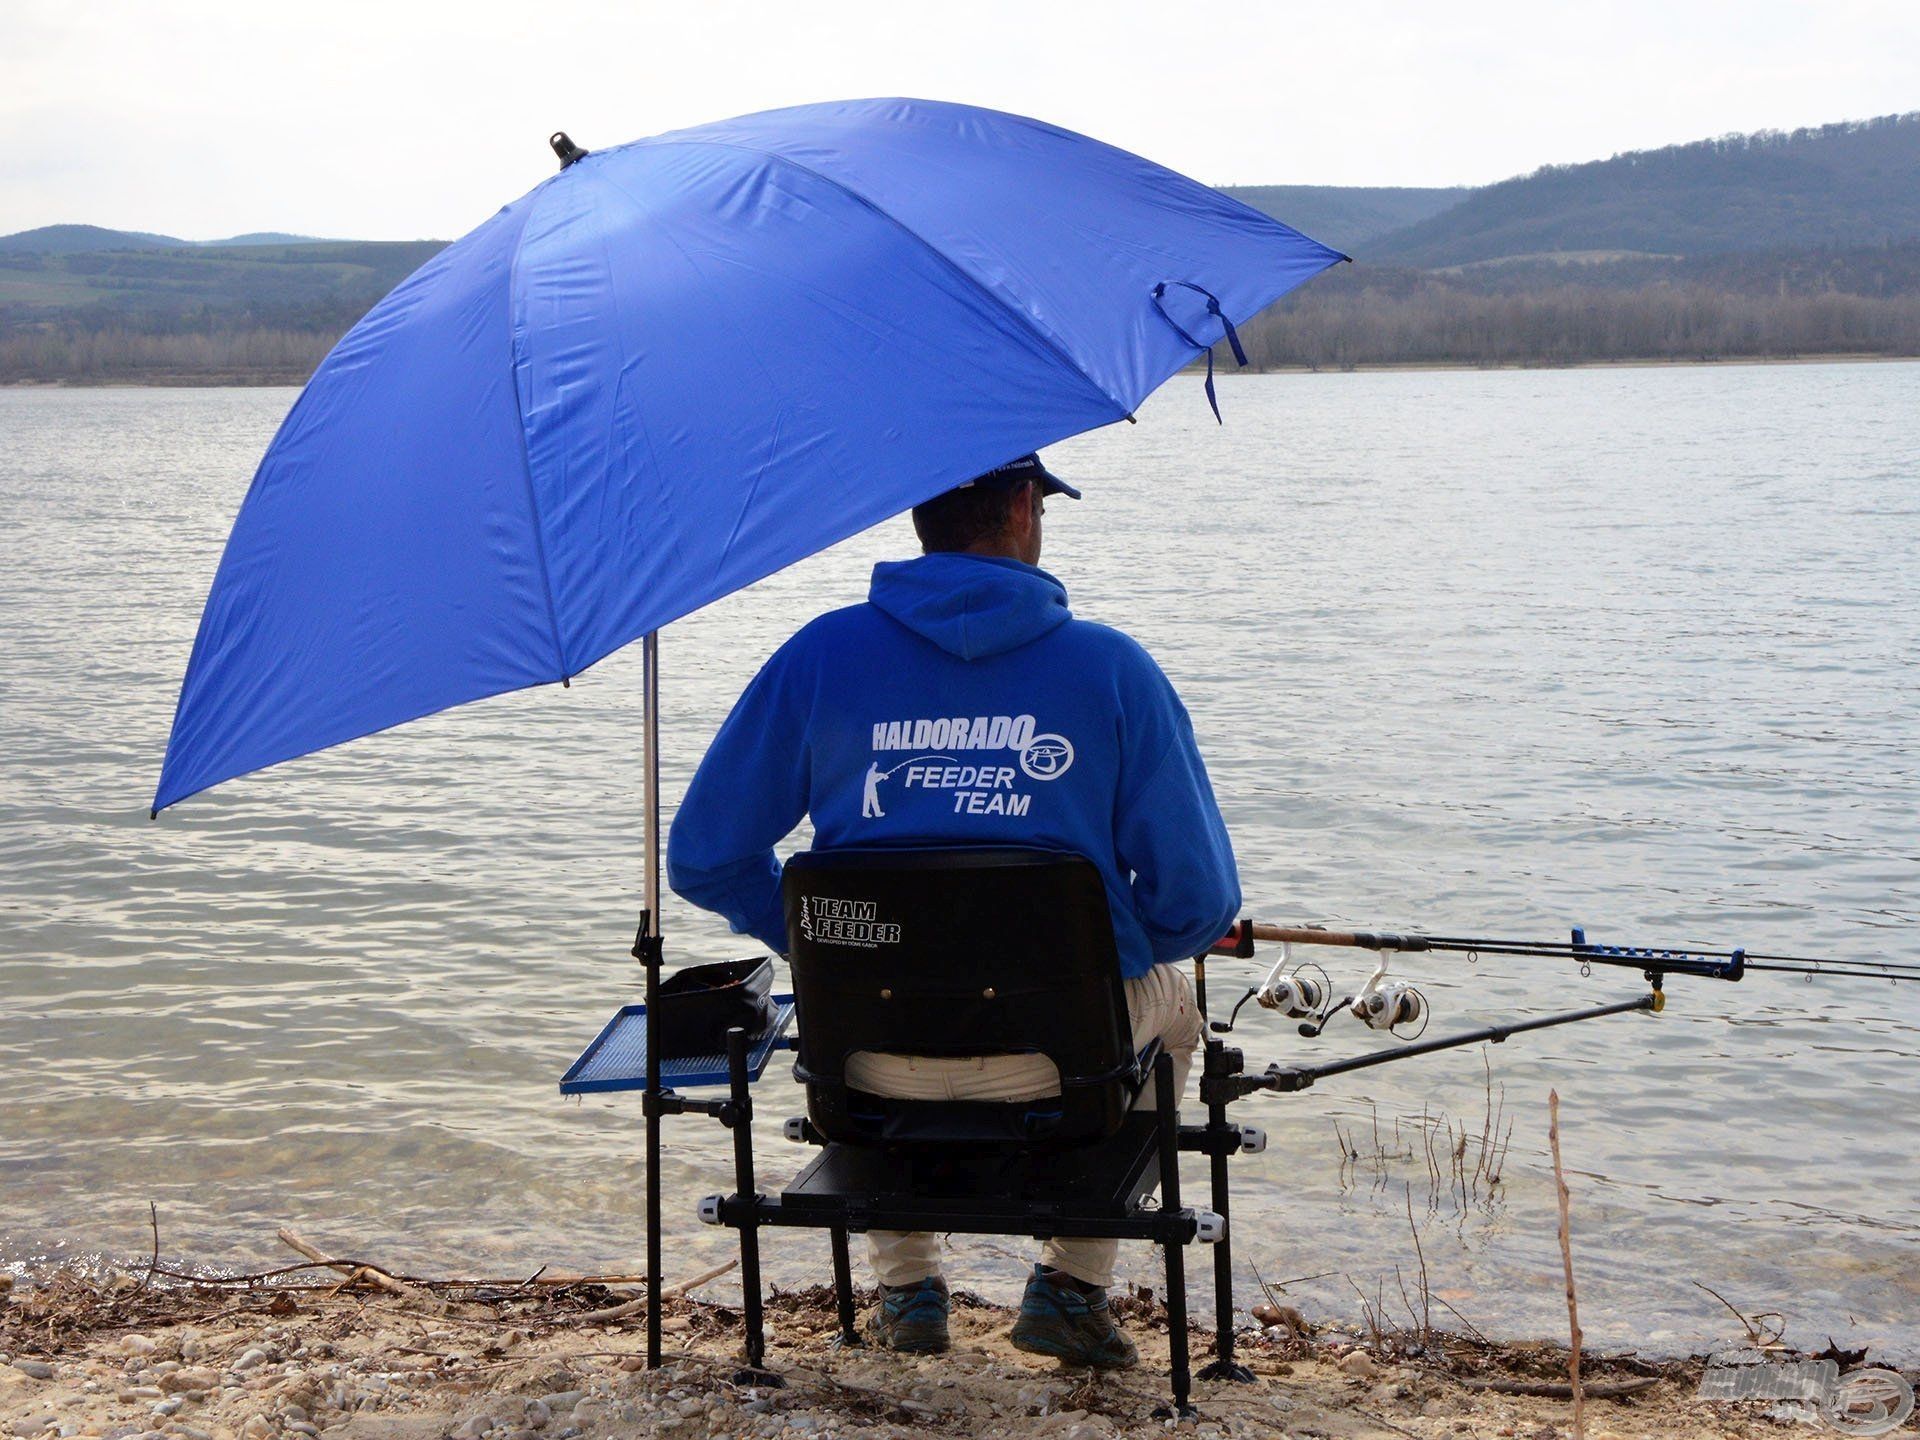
(963, 704)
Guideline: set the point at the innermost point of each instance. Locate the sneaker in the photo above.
(1061, 1319)
(911, 1318)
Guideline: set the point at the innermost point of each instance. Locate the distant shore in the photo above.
(1642, 363)
(191, 380)
(1852, 357)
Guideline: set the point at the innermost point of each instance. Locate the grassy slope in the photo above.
(329, 284)
(1843, 185)
(1348, 217)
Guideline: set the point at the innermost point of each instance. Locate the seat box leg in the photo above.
(1223, 1366)
(843, 1290)
(1168, 1121)
(740, 1119)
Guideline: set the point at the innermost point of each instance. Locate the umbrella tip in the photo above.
(564, 147)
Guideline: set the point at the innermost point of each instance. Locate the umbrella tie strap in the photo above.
(1213, 308)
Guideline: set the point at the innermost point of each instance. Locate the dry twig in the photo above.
(1762, 1337)
(1426, 1292)
(153, 1218)
(1566, 1260)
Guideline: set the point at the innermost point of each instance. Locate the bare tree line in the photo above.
(210, 357)
(1415, 321)
(1438, 324)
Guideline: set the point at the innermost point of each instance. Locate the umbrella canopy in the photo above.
(670, 370)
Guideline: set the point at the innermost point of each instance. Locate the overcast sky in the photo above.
(407, 119)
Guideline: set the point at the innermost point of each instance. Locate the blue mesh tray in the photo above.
(617, 1058)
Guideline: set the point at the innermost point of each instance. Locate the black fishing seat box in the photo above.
(956, 953)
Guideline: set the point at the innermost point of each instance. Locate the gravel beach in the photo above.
(122, 1356)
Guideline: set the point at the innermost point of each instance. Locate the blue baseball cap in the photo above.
(1027, 467)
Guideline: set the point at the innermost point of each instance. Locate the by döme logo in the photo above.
(1047, 757)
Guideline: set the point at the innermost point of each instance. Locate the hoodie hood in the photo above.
(971, 606)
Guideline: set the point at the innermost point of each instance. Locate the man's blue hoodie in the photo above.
(963, 704)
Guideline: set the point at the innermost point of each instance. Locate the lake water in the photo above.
(1477, 653)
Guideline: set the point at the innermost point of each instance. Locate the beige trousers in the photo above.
(1161, 1006)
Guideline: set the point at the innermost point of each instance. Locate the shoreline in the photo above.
(305, 1352)
(234, 381)
(1655, 362)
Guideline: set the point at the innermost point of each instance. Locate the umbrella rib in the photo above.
(1023, 318)
(516, 355)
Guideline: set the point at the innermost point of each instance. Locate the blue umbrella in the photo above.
(670, 370)
(675, 367)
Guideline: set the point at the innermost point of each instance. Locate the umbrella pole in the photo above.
(648, 947)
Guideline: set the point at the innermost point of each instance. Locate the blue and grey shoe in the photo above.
(1061, 1318)
(911, 1318)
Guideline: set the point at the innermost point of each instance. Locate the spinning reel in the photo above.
(1305, 993)
(1383, 1004)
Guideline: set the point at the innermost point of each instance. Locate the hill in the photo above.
(1851, 184)
(81, 239)
(1350, 218)
(77, 239)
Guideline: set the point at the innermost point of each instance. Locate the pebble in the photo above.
(251, 1360)
(304, 1427)
(167, 1407)
(258, 1427)
(471, 1428)
(1359, 1364)
(36, 1369)
(178, 1381)
(539, 1414)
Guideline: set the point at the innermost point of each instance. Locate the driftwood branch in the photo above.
(1558, 1390)
(371, 1274)
(1566, 1260)
(631, 1308)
